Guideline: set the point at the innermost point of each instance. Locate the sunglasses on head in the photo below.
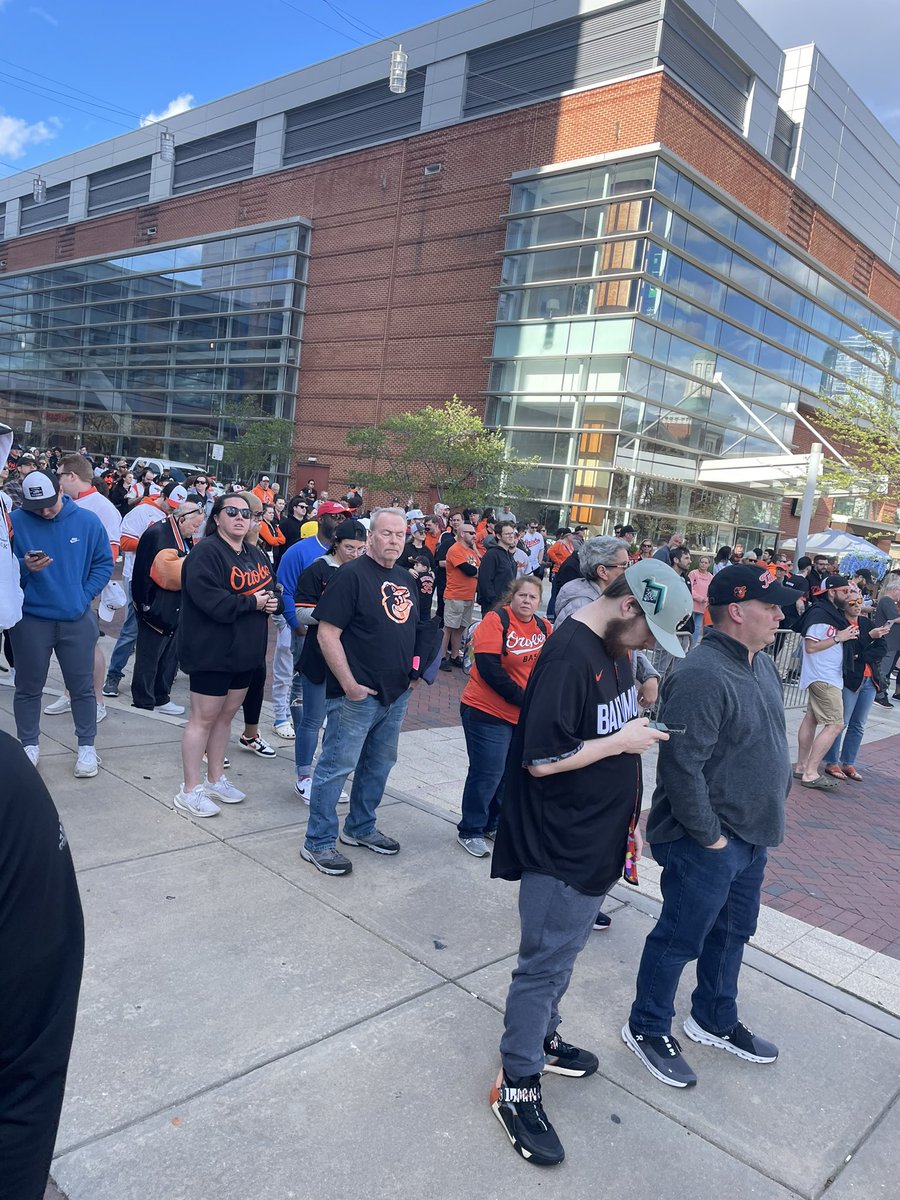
(230, 511)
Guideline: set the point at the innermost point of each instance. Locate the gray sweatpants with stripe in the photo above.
(556, 924)
(34, 640)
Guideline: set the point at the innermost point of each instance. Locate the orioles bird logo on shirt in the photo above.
(396, 602)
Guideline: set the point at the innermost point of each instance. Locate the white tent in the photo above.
(844, 545)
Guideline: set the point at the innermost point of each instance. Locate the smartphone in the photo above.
(35, 554)
(663, 728)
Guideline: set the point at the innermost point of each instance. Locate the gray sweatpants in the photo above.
(556, 923)
(33, 641)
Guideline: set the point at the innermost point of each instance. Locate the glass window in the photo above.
(722, 219)
(755, 241)
(551, 191)
(748, 276)
(666, 178)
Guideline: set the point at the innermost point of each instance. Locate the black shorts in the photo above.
(219, 683)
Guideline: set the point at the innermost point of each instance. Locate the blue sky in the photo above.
(74, 72)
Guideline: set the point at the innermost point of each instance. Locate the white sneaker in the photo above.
(34, 754)
(303, 788)
(226, 761)
(62, 704)
(285, 729)
(88, 762)
(223, 790)
(196, 802)
(102, 713)
(170, 709)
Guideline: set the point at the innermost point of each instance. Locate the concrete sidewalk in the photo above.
(250, 1028)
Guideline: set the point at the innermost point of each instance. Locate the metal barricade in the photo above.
(785, 650)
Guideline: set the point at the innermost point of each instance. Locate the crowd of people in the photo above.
(367, 605)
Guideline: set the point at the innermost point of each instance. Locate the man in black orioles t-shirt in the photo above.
(573, 785)
(368, 618)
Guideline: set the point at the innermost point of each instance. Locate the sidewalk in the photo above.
(250, 1028)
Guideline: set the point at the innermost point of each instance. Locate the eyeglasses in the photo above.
(230, 511)
(619, 566)
(199, 481)
(195, 512)
(646, 545)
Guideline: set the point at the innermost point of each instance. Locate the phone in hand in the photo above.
(33, 554)
(663, 728)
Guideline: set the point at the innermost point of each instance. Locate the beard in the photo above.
(618, 637)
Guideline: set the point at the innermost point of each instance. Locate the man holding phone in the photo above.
(573, 788)
(65, 562)
(713, 815)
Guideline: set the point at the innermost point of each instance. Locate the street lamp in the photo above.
(39, 190)
(397, 73)
(166, 146)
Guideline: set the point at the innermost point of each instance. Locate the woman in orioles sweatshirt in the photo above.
(228, 595)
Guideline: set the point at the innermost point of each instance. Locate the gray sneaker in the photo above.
(329, 861)
(476, 846)
(377, 841)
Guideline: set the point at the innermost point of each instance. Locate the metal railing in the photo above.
(785, 650)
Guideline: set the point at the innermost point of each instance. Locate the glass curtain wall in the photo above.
(145, 354)
(625, 290)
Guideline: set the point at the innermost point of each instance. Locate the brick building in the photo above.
(579, 222)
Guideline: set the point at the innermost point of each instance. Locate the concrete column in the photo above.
(269, 149)
(78, 198)
(161, 176)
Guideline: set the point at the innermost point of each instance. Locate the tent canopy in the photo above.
(852, 552)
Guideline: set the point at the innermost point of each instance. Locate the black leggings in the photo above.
(254, 698)
(7, 648)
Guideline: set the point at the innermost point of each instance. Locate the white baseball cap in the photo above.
(662, 595)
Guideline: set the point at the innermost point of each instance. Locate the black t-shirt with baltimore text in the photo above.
(572, 825)
(377, 609)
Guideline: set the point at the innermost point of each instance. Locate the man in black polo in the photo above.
(573, 789)
(713, 815)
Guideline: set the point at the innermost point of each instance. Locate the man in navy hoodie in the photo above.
(65, 560)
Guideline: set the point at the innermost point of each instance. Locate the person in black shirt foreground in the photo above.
(41, 955)
(369, 635)
(714, 812)
(573, 792)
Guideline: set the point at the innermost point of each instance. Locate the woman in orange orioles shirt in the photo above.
(491, 701)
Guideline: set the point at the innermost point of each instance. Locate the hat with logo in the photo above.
(39, 491)
(27, 457)
(741, 582)
(835, 581)
(664, 599)
(331, 507)
(415, 514)
(111, 598)
(175, 494)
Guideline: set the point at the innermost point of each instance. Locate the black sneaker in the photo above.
(883, 701)
(516, 1104)
(602, 921)
(445, 665)
(564, 1059)
(110, 687)
(740, 1041)
(661, 1055)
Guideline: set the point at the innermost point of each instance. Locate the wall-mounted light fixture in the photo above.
(39, 190)
(166, 146)
(397, 73)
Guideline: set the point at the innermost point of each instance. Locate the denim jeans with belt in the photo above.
(361, 736)
(487, 744)
(710, 907)
(857, 706)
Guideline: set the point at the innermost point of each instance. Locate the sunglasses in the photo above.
(230, 511)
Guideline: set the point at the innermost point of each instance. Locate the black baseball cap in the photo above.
(743, 581)
(39, 491)
(835, 581)
(627, 529)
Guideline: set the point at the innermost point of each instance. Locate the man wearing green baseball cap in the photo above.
(573, 788)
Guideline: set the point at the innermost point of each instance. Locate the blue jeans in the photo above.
(361, 736)
(698, 627)
(487, 745)
(857, 706)
(124, 646)
(307, 723)
(710, 907)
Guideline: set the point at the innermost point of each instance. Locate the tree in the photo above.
(448, 449)
(255, 442)
(865, 421)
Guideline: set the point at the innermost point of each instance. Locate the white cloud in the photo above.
(180, 104)
(16, 135)
(44, 15)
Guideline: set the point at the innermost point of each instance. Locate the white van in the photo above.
(179, 471)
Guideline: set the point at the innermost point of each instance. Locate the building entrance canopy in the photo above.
(786, 473)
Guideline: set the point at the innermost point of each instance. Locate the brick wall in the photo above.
(402, 267)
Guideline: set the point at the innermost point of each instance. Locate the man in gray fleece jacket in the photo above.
(714, 813)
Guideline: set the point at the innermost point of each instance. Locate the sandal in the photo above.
(835, 771)
(851, 773)
(821, 784)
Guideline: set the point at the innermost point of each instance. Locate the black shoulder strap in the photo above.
(542, 625)
(504, 625)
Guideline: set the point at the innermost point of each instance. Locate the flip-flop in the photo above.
(833, 771)
(821, 784)
(851, 773)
